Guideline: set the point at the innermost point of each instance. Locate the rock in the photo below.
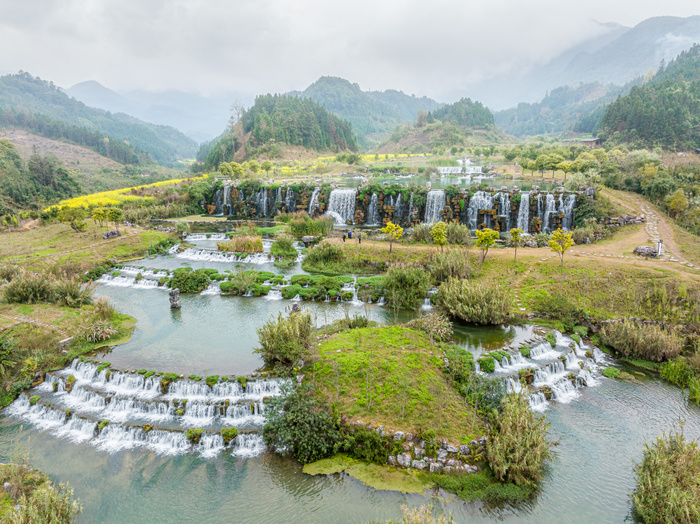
(464, 450)
(380, 430)
(472, 469)
(404, 460)
(419, 464)
(442, 454)
(406, 447)
(454, 463)
(421, 444)
(645, 251)
(419, 453)
(443, 444)
(399, 435)
(409, 436)
(482, 441)
(175, 299)
(474, 443)
(435, 468)
(6, 486)
(391, 460)
(111, 234)
(447, 469)
(452, 449)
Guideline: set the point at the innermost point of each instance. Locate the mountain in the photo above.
(199, 117)
(276, 121)
(373, 114)
(617, 55)
(664, 112)
(25, 94)
(562, 110)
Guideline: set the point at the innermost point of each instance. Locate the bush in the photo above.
(30, 288)
(286, 341)
(194, 435)
(290, 292)
(611, 372)
(229, 434)
(296, 423)
(325, 254)
(677, 371)
(558, 307)
(646, 341)
(406, 286)
(452, 264)
(420, 234)
(667, 481)
(241, 244)
(283, 247)
(458, 234)
(364, 444)
(188, 281)
(47, 504)
(518, 447)
(435, 325)
(301, 224)
(475, 302)
(211, 380)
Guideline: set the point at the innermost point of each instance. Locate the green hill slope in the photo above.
(27, 95)
(665, 112)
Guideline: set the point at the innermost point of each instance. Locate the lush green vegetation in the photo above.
(37, 97)
(667, 481)
(475, 302)
(647, 341)
(406, 286)
(464, 114)
(190, 281)
(285, 342)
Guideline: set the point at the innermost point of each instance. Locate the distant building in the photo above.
(592, 142)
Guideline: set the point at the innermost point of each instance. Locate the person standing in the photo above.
(350, 235)
(359, 238)
(345, 235)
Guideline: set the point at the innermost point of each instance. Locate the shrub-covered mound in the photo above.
(647, 341)
(475, 302)
(390, 376)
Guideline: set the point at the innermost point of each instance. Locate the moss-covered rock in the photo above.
(194, 435)
(229, 434)
(34, 399)
(611, 372)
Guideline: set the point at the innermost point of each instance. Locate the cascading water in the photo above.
(226, 207)
(540, 209)
(524, 212)
(218, 200)
(341, 205)
(434, 205)
(550, 208)
(373, 211)
(480, 200)
(313, 203)
(261, 202)
(398, 206)
(290, 201)
(504, 208)
(568, 209)
(410, 208)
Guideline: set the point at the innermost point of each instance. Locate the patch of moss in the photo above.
(525, 351)
(487, 364)
(147, 428)
(576, 338)
(372, 475)
(34, 399)
(611, 372)
(149, 374)
(103, 366)
(242, 381)
(229, 434)
(102, 424)
(166, 380)
(551, 338)
(211, 380)
(194, 435)
(142, 371)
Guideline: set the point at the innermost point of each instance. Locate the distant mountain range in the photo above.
(373, 114)
(617, 56)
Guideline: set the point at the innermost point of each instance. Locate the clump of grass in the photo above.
(301, 224)
(647, 341)
(475, 302)
(611, 372)
(242, 244)
(285, 341)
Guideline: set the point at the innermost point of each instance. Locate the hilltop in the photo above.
(373, 114)
(54, 114)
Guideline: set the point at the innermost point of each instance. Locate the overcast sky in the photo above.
(432, 48)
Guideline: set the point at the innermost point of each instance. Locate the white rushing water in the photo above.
(341, 206)
(313, 202)
(373, 211)
(550, 207)
(480, 200)
(524, 212)
(434, 204)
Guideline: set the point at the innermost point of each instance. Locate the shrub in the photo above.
(677, 371)
(290, 292)
(97, 330)
(667, 481)
(103, 310)
(301, 224)
(367, 445)
(283, 247)
(325, 254)
(518, 447)
(71, 292)
(194, 435)
(611, 372)
(286, 340)
(452, 264)
(229, 434)
(211, 380)
(558, 307)
(487, 364)
(29, 288)
(647, 341)
(435, 325)
(406, 286)
(475, 302)
(241, 244)
(188, 281)
(420, 234)
(458, 234)
(47, 503)
(296, 423)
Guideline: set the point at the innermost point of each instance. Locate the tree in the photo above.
(254, 166)
(99, 215)
(567, 166)
(516, 239)
(395, 233)
(439, 234)
(225, 169)
(182, 227)
(560, 242)
(485, 239)
(266, 166)
(236, 169)
(74, 216)
(677, 203)
(115, 215)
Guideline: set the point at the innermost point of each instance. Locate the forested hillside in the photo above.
(465, 114)
(373, 114)
(563, 110)
(665, 112)
(276, 120)
(42, 180)
(41, 101)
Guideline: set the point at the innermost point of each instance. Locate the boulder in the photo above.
(474, 443)
(391, 460)
(404, 460)
(435, 468)
(419, 464)
(464, 450)
(452, 449)
(175, 299)
(472, 469)
(399, 435)
(645, 251)
(419, 453)
(482, 441)
(442, 454)
(111, 234)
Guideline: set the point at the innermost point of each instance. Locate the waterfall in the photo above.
(290, 201)
(504, 209)
(274, 294)
(313, 203)
(549, 209)
(278, 198)
(248, 445)
(549, 373)
(568, 209)
(373, 211)
(524, 212)
(538, 402)
(398, 207)
(241, 195)
(480, 200)
(261, 202)
(540, 210)
(341, 205)
(564, 391)
(512, 385)
(226, 207)
(410, 208)
(217, 199)
(434, 205)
